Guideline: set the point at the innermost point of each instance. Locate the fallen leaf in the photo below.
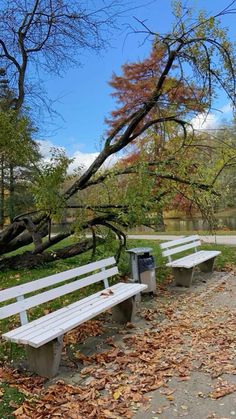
(222, 390)
(170, 398)
(18, 411)
(107, 292)
(117, 393)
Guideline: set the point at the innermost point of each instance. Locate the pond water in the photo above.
(226, 220)
(177, 224)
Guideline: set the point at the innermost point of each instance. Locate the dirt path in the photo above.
(194, 397)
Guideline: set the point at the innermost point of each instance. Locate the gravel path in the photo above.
(191, 398)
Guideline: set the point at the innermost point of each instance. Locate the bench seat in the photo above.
(183, 267)
(53, 325)
(194, 259)
(43, 337)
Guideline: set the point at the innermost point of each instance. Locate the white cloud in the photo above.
(226, 108)
(208, 121)
(46, 147)
(205, 121)
(82, 160)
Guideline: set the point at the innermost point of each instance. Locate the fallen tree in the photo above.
(197, 53)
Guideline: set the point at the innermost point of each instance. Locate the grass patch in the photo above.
(10, 399)
(9, 351)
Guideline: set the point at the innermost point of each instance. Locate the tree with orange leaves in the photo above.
(196, 52)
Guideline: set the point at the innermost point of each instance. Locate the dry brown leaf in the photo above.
(170, 398)
(107, 292)
(222, 390)
(19, 411)
(191, 334)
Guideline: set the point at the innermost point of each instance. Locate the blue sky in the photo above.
(82, 96)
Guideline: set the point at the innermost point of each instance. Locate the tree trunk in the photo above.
(16, 236)
(2, 194)
(160, 225)
(30, 260)
(11, 193)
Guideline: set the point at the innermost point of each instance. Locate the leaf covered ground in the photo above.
(180, 333)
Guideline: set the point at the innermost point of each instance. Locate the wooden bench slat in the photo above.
(180, 249)
(107, 303)
(38, 284)
(181, 240)
(64, 314)
(194, 259)
(43, 336)
(58, 315)
(30, 302)
(104, 303)
(183, 267)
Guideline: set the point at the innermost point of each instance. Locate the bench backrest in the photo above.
(180, 245)
(104, 266)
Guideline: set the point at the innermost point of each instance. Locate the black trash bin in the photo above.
(146, 265)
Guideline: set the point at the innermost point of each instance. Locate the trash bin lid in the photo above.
(140, 250)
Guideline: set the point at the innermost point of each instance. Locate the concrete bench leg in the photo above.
(183, 276)
(45, 360)
(207, 266)
(125, 311)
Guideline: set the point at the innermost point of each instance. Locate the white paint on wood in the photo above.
(38, 299)
(81, 311)
(105, 281)
(23, 314)
(51, 317)
(194, 259)
(38, 284)
(180, 249)
(176, 242)
(55, 319)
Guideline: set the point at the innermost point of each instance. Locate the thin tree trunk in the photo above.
(160, 224)
(2, 194)
(11, 193)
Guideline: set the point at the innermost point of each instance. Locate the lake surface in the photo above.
(175, 224)
(226, 220)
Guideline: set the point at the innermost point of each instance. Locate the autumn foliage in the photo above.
(137, 82)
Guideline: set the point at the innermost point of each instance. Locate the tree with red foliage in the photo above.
(180, 99)
(134, 87)
(196, 52)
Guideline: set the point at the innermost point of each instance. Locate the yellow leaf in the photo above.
(117, 393)
(18, 411)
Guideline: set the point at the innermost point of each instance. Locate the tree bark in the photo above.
(2, 194)
(11, 192)
(31, 260)
(176, 48)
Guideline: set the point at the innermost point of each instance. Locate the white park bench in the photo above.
(44, 335)
(183, 268)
